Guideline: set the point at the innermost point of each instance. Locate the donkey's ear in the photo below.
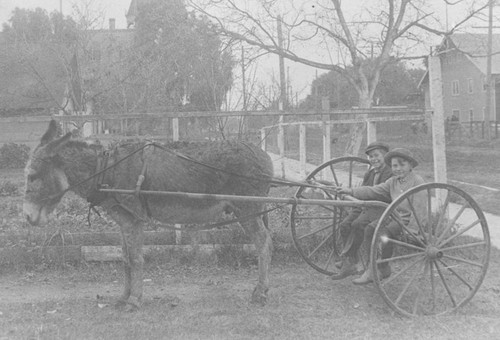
(50, 134)
(54, 146)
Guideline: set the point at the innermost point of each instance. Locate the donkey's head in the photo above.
(45, 179)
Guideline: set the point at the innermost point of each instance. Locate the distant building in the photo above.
(463, 66)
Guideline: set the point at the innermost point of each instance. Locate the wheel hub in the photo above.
(433, 253)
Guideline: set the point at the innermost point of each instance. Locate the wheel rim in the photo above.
(437, 266)
(315, 228)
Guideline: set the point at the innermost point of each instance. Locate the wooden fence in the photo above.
(326, 128)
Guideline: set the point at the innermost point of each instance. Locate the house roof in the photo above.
(475, 46)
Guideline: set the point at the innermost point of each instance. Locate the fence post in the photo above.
(263, 139)
(371, 132)
(175, 129)
(327, 153)
(302, 149)
(281, 145)
(438, 133)
(482, 129)
(175, 138)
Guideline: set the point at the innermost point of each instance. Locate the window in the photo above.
(455, 88)
(470, 85)
(471, 115)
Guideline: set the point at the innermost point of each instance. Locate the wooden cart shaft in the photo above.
(281, 200)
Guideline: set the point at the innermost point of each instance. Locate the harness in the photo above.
(106, 161)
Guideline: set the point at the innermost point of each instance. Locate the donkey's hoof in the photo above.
(259, 295)
(130, 308)
(120, 303)
(131, 304)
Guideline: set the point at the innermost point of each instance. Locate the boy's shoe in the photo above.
(348, 268)
(384, 273)
(365, 278)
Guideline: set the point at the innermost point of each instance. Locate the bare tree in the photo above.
(358, 39)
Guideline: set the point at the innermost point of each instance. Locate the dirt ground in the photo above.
(195, 302)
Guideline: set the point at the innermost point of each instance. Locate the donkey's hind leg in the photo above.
(133, 261)
(263, 243)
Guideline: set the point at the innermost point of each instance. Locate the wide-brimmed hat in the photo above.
(400, 152)
(376, 145)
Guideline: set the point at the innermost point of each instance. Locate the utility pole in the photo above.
(489, 85)
(243, 79)
(282, 68)
(282, 100)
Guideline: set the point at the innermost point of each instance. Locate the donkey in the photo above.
(61, 164)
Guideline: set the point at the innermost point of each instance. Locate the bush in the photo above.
(13, 156)
(7, 188)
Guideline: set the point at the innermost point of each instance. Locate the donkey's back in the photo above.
(223, 167)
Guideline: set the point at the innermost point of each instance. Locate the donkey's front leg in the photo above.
(133, 261)
(264, 246)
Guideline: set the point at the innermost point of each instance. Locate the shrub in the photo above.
(13, 156)
(7, 188)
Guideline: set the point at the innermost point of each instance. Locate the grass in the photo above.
(197, 302)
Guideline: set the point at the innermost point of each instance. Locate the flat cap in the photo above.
(400, 152)
(376, 145)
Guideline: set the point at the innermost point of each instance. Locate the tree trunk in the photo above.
(357, 131)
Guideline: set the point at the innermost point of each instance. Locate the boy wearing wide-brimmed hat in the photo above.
(402, 164)
(352, 227)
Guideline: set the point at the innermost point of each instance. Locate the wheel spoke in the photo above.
(403, 244)
(419, 290)
(320, 245)
(409, 232)
(334, 174)
(314, 232)
(450, 269)
(433, 285)
(330, 257)
(442, 212)
(318, 217)
(420, 228)
(429, 214)
(350, 174)
(452, 237)
(458, 259)
(402, 271)
(445, 285)
(450, 225)
(398, 258)
(407, 286)
(463, 246)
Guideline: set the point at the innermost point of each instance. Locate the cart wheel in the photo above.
(315, 229)
(439, 259)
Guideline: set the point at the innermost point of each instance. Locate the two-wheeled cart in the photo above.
(436, 268)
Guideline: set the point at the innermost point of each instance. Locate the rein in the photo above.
(97, 177)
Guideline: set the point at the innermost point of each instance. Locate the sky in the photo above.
(300, 76)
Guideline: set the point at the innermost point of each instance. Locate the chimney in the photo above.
(112, 24)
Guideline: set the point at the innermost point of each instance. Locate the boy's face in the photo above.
(400, 167)
(376, 158)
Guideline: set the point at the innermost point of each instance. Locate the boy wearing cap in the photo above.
(402, 163)
(352, 227)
